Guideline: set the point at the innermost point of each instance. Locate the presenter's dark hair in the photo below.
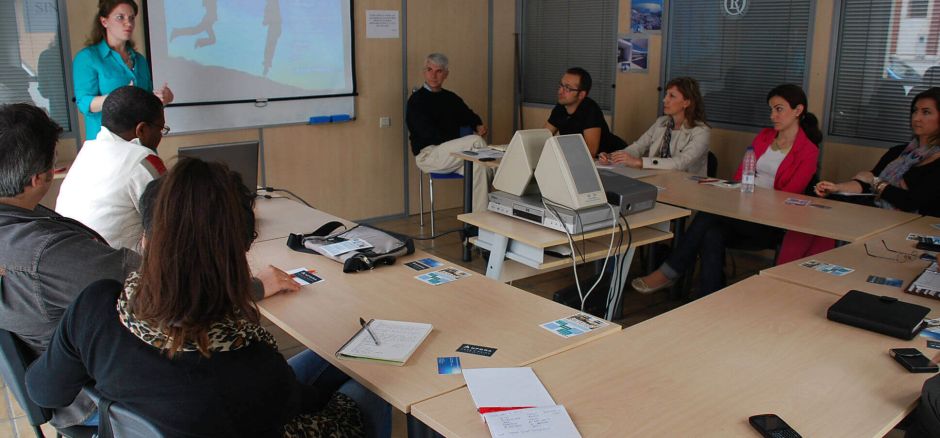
(688, 88)
(195, 271)
(932, 93)
(584, 78)
(794, 95)
(127, 106)
(27, 146)
(98, 32)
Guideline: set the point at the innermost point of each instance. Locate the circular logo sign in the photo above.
(735, 7)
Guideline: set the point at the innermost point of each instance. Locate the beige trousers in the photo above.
(438, 159)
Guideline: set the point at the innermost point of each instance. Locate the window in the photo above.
(885, 55)
(917, 8)
(559, 34)
(31, 62)
(738, 51)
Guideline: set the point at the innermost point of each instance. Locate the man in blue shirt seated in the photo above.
(436, 119)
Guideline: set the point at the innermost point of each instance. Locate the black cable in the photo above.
(614, 278)
(275, 189)
(557, 215)
(579, 225)
(436, 235)
(629, 244)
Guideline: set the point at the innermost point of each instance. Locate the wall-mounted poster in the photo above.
(646, 16)
(632, 53)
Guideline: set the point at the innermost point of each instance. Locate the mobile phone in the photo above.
(913, 360)
(772, 426)
(927, 244)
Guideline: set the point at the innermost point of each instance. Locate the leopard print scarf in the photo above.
(227, 335)
(340, 418)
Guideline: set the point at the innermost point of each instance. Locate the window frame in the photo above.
(838, 7)
(612, 68)
(667, 47)
(72, 131)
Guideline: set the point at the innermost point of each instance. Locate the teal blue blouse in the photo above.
(99, 70)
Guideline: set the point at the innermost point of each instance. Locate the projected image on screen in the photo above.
(231, 50)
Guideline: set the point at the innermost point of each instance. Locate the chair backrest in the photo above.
(117, 421)
(712, 165)
(15, 357)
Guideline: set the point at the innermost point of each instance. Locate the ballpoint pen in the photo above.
(362, 322)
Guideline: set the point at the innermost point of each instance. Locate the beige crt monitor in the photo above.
(566, 174)
(514, 174)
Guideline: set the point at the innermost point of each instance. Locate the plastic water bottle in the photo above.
(750, 171)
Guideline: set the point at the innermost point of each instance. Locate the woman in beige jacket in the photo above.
(682, 128)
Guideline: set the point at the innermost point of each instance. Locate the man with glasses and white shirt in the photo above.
(576, 113)
(103, 187)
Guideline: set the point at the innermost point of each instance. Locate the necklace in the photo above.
(775, 146)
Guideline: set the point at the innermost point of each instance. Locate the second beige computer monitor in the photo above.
(515, 172)
(566, 174)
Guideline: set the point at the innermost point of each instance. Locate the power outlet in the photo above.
(385, 122)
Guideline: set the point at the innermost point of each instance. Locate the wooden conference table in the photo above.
(844, 221)
(517, 248)
(468, 162)
(474, 310)
(759, 346)
(854, 256)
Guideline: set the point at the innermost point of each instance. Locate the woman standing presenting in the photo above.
(109, 61)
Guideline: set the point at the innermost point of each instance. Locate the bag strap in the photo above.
(296, 241)
(104, 418)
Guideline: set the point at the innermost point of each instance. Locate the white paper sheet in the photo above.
(506, 387)
(344, 247)
(544, 422)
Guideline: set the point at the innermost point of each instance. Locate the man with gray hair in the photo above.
(47, 259)
(441, 123)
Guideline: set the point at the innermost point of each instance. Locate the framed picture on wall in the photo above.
(632, 53)
(646, 16)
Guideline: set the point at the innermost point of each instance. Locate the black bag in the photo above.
(386, 246)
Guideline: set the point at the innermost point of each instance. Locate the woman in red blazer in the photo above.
(787, 158)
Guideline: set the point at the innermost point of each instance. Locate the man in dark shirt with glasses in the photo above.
(576, 113)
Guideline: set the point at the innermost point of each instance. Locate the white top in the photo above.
(767, 166)
(103, 187)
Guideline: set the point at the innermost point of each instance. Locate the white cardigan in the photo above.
(689, 148)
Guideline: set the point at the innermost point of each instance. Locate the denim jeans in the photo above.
(707, 237)
(376, 413)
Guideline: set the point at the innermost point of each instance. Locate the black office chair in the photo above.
(15, 357)
(117, 421)
(712, 166)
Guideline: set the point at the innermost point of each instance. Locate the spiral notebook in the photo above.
(928, 283)
(397, 341)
